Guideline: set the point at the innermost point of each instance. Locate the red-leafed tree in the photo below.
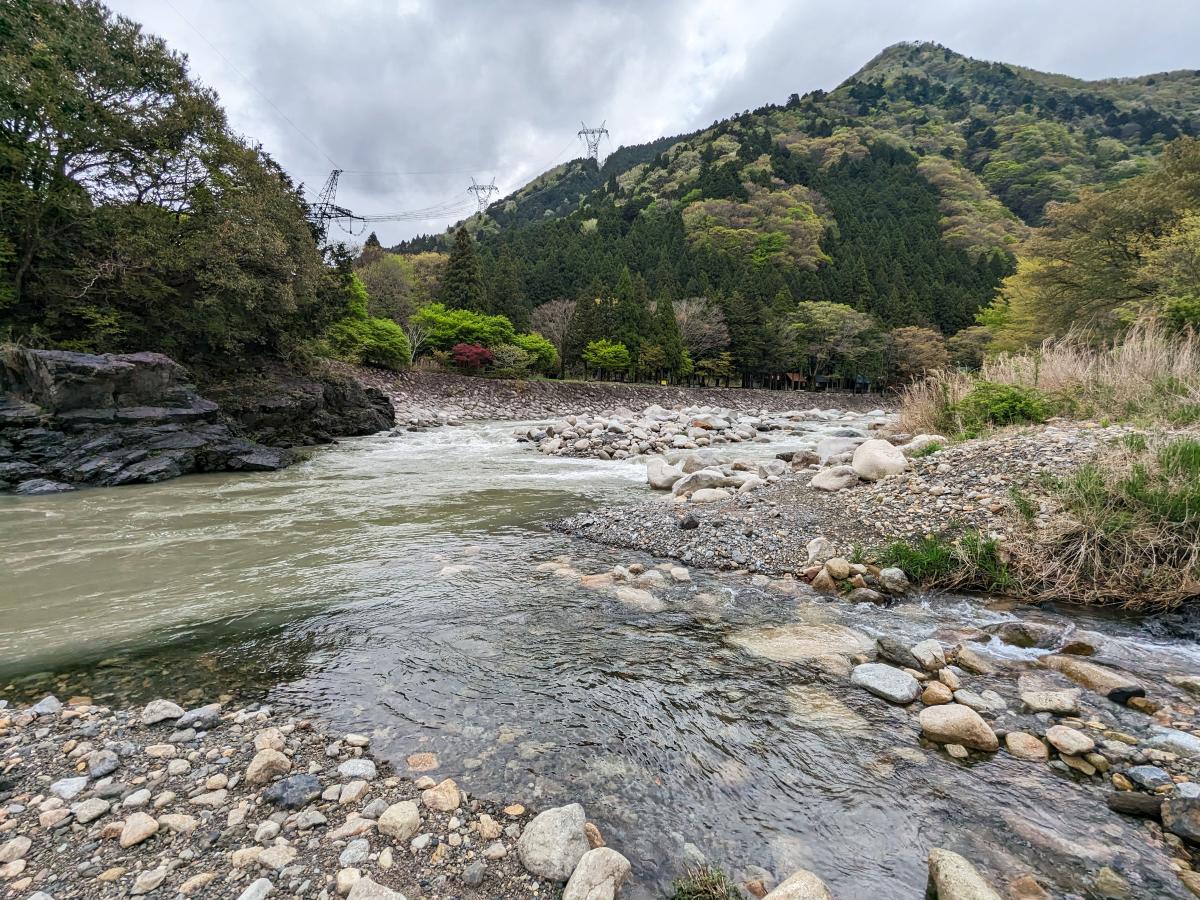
(472, 357)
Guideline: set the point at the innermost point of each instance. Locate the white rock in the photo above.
(160, 711)
(661, 476)
(929, 654)
(888, 682)
(400, 821)
(553, 843)
(877, 459)
(956, 879)
(801, 885)
(834, 478)
(598, 876)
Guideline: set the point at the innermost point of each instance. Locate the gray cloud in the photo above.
(464, 88)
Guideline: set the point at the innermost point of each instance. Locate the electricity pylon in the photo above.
(592, 136)
(483, 193)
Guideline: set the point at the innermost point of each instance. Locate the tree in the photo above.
(606, 357)
(913, 351)
(391, 286)
(462, 285)
(831, 338)
(130, 219)
(666, 336)
(701, 326)
(447, 327)
(471, 357)
(969, 347)
(542, 354)
(553, 321)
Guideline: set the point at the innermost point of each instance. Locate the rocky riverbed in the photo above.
(248, 802)
(936, 489)
(428, 399)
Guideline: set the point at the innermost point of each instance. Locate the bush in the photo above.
(510, 360)
(989, 404)
(472, 357)
(543, 357)
(446, 327)
(606, 356)
(369, 342)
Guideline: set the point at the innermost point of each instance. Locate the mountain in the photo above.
(902, 193)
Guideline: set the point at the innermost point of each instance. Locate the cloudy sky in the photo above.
(414, 97)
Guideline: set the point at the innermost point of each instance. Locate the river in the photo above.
(390, 584)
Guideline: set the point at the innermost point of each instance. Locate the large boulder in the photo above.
(875, 460)
(705, 478)
(552, 845)
(1112, 684)
(660, 475)
(953, 723)
(834, 478)
(1181, 816)
(598, 876)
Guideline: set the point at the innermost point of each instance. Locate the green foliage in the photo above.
(606, 356)
(462, 285)
(369, 342)
(970, 562)
(132, 218)
(543, 357)
(990, 404)
(928, 450)
(704, 883)
(446, 327)
(509, 360)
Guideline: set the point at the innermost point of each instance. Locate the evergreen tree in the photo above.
(667, 337)
(462, 285)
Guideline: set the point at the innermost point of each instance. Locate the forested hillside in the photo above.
(898, 200)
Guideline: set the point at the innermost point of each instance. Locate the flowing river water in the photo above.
(390, 584)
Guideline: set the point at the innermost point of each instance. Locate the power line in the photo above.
(253, 86)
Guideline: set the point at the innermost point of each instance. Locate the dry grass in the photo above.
(1123, 530)
(1150, 374)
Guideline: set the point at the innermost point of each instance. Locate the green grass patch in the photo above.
(1025, 506)
(704, 883)
(928, 450)
(990, 404)
(970, 562)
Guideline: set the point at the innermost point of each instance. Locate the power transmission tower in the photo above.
(483, 193)
(592, 136)
(326, 210)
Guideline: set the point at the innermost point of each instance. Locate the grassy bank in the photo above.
(1150, 376)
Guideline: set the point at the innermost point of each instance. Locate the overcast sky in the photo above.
(450, 89)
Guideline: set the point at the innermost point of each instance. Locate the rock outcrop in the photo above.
(68, 419)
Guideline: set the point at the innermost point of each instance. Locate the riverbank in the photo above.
(249, 802)
(947, 490)
(427, 398)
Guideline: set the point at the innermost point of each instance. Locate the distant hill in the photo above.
(902, 192)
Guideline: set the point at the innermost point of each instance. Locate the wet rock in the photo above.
(799, 642)
(887, 682)
(988, 702)
(160, 711)
(1023, 745)
(936, 693)
(552, 844)
(40, 487)
(800, 885)
(957, 724)
(951, 877)
(893, 580)
(1027, 634)
(866, 595)
(1108, 682)
(896, 651)
(1069, 741)
(973, 662)
(660, 475)
(1174, 741)
(1181, 816)
(294, 792)
(929, 654)
(1062, 703)
(1134, 803)
(1149, 778)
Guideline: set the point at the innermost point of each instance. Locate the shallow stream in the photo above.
(390, 585)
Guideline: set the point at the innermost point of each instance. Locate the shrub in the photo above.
(542, 355)
(606, 356)
(928, 450)
(472, 357)
(446, 327)
(369, 342)
(990, 404)
(510, 360)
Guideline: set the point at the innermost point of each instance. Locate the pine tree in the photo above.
(462, 285)
(666, 335)
(506, 295)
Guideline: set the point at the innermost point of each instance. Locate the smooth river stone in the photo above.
(954, 723)
(953, 878)
(1112, 684)
(1069, 741)
(891, 684)
(799, 643)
